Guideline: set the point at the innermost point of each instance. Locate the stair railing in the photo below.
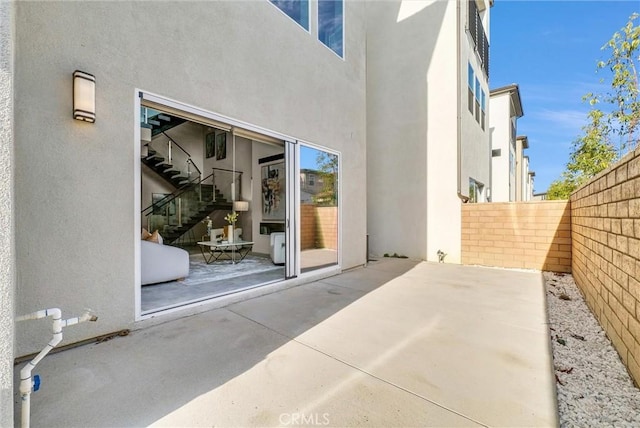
(175, 208)
(226, 180)
(173, 196)
(170, 143)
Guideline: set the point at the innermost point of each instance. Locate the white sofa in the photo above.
(161, 263)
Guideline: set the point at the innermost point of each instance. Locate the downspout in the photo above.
(29, 384)
(459, 105)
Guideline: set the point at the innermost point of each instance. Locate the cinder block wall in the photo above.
(328, 226)
(308, 226)
(319, 227)
(606, 253)
(530, 235)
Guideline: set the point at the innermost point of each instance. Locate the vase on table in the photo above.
(230, 233)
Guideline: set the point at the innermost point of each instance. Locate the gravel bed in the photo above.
(594, 387)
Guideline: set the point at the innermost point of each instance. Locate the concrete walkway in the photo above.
(398, 343)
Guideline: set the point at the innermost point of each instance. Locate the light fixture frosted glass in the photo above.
(84, 96)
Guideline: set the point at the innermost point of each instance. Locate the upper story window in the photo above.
(482, 107)
(298, 10)
(476, 191)
(471, 82)
(331, 25)
(477, 100)
(479, 36)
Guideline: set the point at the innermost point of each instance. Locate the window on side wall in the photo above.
(477, 100)
(471, 80)
(331, 25)
(298, 10)
(482, 106)
(476, 191)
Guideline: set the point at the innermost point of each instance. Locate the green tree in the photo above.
(590, 154)
(328, 169)
(594, 151)
(623, 97)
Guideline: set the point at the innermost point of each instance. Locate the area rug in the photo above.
(200, 272)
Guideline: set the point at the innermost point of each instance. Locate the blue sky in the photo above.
(550, 49)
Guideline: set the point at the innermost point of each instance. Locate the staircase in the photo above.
(178, 213)
(172, 234)
(195, 197)
(165, 169)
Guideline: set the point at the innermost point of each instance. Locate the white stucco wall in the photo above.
(475, 143)
(402, 80)
(416, 85)
(443, 205)
(500, 123)
(7, 259)
(75, 191)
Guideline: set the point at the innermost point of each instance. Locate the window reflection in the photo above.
(298, 10)
(318, 208)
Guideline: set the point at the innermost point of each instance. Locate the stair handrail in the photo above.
(172, 142)
(164, 201)
(231, 171)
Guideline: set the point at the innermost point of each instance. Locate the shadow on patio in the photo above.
(398, 343)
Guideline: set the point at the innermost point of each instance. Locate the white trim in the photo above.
(240, 296)
(187, 108)
(339, 154)
(292, 228)
(137, 178)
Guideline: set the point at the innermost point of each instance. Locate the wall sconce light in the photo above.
(84, 96)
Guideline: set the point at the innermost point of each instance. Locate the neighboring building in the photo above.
(369, 90)
(506, 108)
(428, 146)
(539, 196)
(524, 177)
(531, 178)
(311, 183)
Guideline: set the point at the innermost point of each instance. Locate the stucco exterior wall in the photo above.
(7, 257)
(606, 253)
(443, 203)
(411, 130)
(475, 144)
(500, 139)
(75, 193)
(530, 235)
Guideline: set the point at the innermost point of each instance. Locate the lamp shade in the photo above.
(84, 96)
(240, 205)
(145, 135)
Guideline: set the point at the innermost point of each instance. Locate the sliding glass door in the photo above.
(319, 214)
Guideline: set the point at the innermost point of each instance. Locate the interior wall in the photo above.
(260, 150)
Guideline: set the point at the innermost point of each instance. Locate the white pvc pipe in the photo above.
(26, 382)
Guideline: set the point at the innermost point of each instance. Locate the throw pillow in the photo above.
(154, 237)
(145, 234)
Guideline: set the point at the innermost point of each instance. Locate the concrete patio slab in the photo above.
(399, 343)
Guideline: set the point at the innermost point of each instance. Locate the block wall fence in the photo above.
(318, 227)
(529, 235)
(606, 253)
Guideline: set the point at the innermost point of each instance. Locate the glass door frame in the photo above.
(253, 132)
(338, 266)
